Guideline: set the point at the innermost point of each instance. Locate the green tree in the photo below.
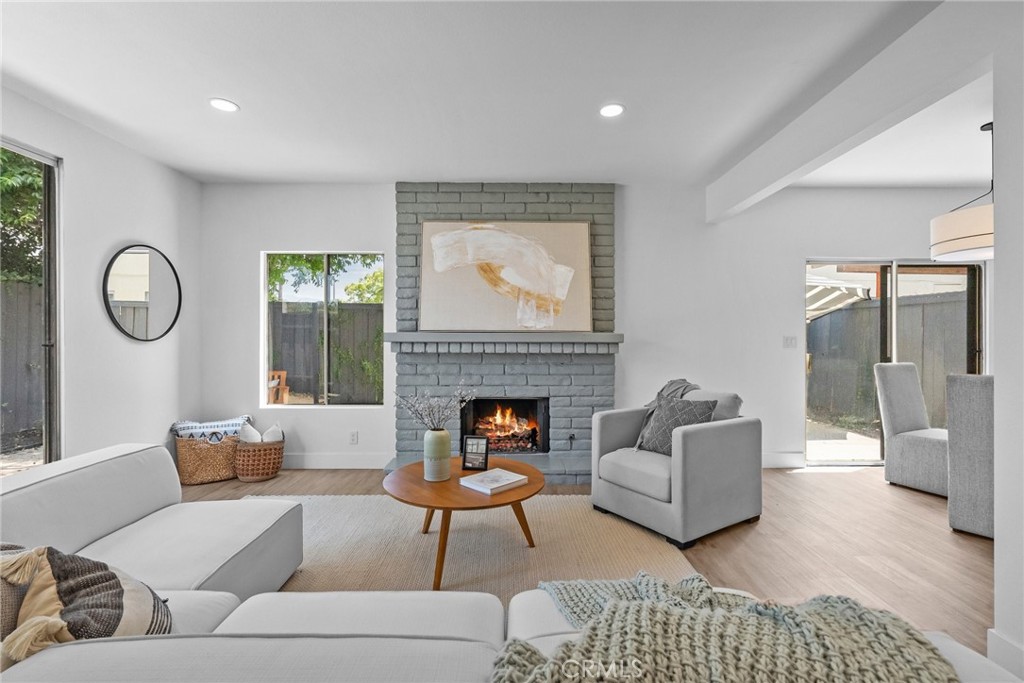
(21, 218)
(309, 269)
(369, 290)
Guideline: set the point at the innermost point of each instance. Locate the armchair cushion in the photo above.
(643, 472)
(669, 414)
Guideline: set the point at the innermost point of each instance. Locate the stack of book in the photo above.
(493, 481)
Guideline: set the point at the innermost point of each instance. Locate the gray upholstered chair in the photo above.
(969, 411)
(915, 453)
(711, 480)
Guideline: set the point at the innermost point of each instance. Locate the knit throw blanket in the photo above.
(648, 630)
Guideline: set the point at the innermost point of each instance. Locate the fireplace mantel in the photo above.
(504, 342)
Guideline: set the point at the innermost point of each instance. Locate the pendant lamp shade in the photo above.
(964, 234)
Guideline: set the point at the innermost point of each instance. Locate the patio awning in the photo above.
(825, 296)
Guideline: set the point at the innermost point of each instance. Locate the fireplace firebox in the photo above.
(511, 425)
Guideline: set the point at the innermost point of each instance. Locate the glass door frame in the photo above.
(888, 299)
(53, 168)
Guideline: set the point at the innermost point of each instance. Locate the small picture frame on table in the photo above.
(474, 452)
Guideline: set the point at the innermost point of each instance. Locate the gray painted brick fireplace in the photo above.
(574, 370)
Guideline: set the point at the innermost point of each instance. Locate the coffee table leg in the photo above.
(442, 545)
(427, 519)
(521, 516)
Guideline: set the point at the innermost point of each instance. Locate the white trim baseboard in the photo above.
(336, 461)
(782, 459)
(1006, 653)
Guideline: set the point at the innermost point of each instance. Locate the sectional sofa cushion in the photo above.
(199, 611)
(238, 546)
(401, 614)
(99, 492)
(258, 659)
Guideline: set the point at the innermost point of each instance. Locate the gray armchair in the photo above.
(969, 410)
(915, 453)
(711, 480)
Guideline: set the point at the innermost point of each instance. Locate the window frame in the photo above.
(265, 330)
(53, 296)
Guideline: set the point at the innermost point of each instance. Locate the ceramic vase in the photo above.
(437, 454)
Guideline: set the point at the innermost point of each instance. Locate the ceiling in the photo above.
(379, 92)
(942, 145)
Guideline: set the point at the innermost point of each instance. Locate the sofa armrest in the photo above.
(612, 430)
(716, 473)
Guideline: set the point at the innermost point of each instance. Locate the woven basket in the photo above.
(200, 462)
(259, 461)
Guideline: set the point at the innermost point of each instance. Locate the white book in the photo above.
(493, 481)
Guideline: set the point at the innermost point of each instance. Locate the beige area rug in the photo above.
(374, 543)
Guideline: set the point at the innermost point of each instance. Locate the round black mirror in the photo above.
(142, 292)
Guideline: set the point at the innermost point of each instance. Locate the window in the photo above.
(325, 329)
(28, 299)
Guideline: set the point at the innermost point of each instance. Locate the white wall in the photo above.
(241, 221)
(711, 303)
(1006, 639)
(114, 388)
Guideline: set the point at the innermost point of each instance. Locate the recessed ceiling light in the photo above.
(223, 105)
(610, 111)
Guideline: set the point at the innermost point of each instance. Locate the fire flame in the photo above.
(505, 422)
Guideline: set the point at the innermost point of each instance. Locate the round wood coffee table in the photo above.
(407, 485)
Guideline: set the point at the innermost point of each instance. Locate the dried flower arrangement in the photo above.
(433, 412)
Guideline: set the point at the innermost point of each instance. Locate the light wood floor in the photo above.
(822, 531)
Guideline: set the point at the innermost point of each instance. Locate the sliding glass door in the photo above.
(28, 316)
(859, 314)
(846, 318)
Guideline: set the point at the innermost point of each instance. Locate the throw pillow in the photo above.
(669, 414)
(11, 595)
(73, 598)
(274, 433)
(249, 434)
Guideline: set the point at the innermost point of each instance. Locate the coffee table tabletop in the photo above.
(407, 485)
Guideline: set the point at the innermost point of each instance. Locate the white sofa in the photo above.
(345, 636)
(122, 505)
(415, 636)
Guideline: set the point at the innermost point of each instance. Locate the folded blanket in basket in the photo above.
(211, 431)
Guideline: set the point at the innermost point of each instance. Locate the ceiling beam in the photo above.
(946, 50)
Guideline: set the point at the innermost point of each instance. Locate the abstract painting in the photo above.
(505, 276)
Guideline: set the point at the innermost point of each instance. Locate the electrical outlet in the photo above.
(353, 438)
(789, 342)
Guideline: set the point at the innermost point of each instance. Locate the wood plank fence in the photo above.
(844, 345)
(356, 353)
(21, 365)
(132, 316)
